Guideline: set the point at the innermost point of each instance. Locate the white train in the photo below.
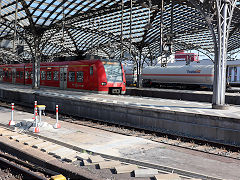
(178, 75)
(195, 74)
(233, 73)
(131, 75)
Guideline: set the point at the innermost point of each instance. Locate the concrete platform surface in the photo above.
(146, 102)
(104, 142)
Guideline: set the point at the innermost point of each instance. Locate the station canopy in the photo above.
(109, 28)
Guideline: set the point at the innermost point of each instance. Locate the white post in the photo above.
(57, 125)
(36, 120)
(36, 128)
(35, 106)
(11, 122)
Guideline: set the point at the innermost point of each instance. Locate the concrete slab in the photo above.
(125, 168)
(86, 163)
(83, 156)
(62, 153)
(9, 133)
(14, 137)
(70, 157)
(23, 139)
(145, 172)
(108, 164)
(50, 148)
(33, 141)
(96, 159)
(167, 177)
(41, 145)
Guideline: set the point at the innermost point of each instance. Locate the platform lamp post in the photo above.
(225, 10)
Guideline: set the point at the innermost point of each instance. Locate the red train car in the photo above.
(101, 76)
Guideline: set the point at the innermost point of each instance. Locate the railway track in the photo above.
(182, 142)
(87, 158)
(23, 170)
(206, 147)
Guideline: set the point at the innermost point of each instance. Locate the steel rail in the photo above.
(29, 165)
(19, 170)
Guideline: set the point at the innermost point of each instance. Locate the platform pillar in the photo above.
(36, 64)
(225, 10)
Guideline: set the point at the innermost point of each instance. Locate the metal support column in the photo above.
(130, 48)
(36, 64)
(224, 13)
(161, 31)
(15, 31)
(121, 53)
(0, 10)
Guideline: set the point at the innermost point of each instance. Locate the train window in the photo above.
(21, 75)
(18, 74)
(43, 75)
(71, 76)
(91, 70)
(49, 75)
(55, 76)
(28, 75)
(80, 76)
(31, 75)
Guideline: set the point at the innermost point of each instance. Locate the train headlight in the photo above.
(103, 83)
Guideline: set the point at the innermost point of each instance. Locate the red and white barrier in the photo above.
(57, 125)
(11, 122)
(36, 128)
(35, 106)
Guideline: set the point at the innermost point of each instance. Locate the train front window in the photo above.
(113, 71)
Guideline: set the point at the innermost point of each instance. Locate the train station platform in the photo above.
(129, 147)
(182, 118)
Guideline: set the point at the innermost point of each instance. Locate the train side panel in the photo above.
(90, 75)
(202, 75)
(49, 76)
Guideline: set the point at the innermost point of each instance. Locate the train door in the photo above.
(238, 74)
(63, 78)
(14, 76)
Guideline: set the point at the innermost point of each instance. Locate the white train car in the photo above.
(180, 74)
(233, 73)
(131, 75)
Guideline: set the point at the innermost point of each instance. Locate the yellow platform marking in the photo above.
(58, 177)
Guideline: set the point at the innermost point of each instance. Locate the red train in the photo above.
(101, 76)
